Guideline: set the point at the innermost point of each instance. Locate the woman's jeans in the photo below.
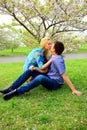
(44, 80)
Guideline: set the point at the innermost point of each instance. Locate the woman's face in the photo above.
(48, 45)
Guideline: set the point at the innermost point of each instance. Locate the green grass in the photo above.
(17, 52)
(25, 50)
(41, 109)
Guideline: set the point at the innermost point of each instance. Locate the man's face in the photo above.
(52, 49)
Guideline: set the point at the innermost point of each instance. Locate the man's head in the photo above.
(58, 48)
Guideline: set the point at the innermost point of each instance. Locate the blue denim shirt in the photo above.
(57, 68)
(34, 58)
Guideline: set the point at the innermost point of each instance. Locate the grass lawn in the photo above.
(17, 52)
(41, 109)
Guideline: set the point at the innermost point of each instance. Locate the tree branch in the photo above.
(68, 31)
(43, 18)
(55, 24)
(13, 14)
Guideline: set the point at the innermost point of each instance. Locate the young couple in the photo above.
(51, 80)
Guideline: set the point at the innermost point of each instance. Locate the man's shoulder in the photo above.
(59, 57)
(58, 60)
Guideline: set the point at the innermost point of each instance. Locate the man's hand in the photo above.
(70, 85)
(76, 92)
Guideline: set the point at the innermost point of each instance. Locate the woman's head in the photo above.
(45, 43)
(58, 47)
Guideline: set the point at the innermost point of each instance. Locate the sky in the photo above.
(5, 19)
(42, 1)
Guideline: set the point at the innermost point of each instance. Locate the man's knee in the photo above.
(40, 77)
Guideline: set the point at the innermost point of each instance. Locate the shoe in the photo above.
(10, 95)
(7, 90)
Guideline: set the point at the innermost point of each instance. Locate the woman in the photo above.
(36, 58)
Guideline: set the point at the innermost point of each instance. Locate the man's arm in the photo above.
(40, 70)
(69, 83)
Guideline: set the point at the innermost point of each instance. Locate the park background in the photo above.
(31, 20)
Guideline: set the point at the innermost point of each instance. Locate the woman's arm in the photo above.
(69, 83)
(48, 63)
(44, 67)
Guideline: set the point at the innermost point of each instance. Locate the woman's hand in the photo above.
(31, 68)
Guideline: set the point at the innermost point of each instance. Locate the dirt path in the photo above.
(22, 58)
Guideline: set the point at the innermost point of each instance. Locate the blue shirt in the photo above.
(34, 58)
(57, 68)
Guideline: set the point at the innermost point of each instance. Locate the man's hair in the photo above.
(59, 47)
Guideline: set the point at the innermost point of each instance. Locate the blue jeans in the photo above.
(23, 77)
(47, 82)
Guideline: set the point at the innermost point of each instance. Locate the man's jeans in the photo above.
(47, 82)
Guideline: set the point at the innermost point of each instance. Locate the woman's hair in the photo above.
(44, 42)
(59, 47)
(42, 45)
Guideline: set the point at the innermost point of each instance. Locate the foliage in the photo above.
(12, 36)
(8, 38)
(52, 18)
(73, 42)
(28, 39)
(40, 109)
